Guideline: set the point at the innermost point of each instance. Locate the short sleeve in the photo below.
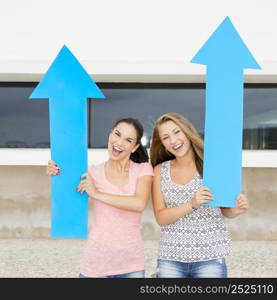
(145, 169)
(94, 171)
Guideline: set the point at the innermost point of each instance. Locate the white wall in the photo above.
(40, 157)
(157, 37)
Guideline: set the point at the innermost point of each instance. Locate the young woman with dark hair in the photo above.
(119, 189)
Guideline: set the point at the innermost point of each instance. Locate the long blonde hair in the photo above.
(158, 153)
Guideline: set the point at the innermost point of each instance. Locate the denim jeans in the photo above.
(203, 269)
(136, 274)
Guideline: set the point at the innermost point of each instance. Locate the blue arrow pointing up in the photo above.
(225, 55)
(68, 85)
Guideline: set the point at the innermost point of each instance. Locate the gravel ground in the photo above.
(60, 258)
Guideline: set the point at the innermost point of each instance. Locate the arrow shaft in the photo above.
(68, 122)
(68, 128)
(223, 132)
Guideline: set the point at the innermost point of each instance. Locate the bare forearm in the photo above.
(170, 215)
(132, 203)
(230, 212)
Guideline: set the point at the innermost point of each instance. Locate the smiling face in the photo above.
(122, 141)
(173, 139)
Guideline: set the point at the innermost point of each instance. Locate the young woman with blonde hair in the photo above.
(194, 240)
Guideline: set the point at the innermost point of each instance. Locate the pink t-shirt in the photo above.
(115, 244)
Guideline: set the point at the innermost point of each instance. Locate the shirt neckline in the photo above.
(182, 185)
(113, 185)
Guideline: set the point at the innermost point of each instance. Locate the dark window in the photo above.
(260, 117)
(24, 123)
(146, 102)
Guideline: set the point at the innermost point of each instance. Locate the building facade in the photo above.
(139, 55)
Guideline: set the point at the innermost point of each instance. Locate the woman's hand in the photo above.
(242, 204)
(87, 185)
(202, 195)
(52, 168)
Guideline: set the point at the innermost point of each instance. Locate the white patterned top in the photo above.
(198, 236)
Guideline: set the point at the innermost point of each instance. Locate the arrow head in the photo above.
(226, 48)
(66, 76)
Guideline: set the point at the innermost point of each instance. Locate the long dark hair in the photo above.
(140, 155)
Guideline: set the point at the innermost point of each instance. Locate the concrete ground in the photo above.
(60, 258)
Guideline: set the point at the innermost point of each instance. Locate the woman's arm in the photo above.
(242, 205)
(137, 202)
(163, 214)
(166, 215)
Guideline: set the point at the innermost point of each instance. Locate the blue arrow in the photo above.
(68, 85)
(225, 55)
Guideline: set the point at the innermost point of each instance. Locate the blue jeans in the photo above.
(136, 274)
(203, 269)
